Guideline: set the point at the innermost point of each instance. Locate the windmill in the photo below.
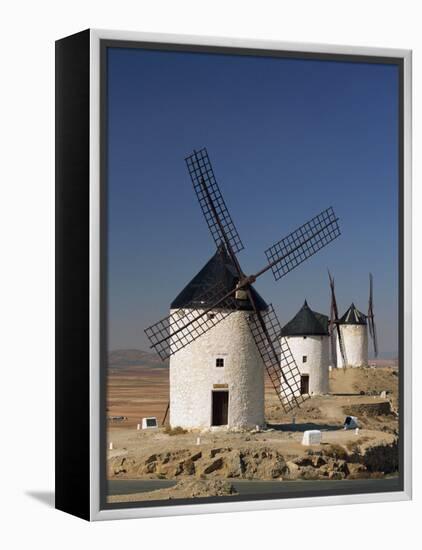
(349, 333)
(184, 326)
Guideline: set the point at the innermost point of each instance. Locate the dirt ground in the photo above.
(274, 453)
(136, 392)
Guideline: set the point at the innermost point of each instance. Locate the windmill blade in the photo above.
(371, 316)
(277, 357)
(335, 324)
(374, 338)
(302, 243)
(211, 201)
(184, 326)
(331, 330)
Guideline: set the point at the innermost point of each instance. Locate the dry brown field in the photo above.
(136, 391)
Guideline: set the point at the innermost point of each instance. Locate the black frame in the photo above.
(72, 273)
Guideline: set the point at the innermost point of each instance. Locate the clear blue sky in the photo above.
(287, 138)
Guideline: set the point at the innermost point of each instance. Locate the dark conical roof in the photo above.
(220, 269)
(306, 323)
(353, 317)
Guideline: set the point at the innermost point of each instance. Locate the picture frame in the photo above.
(81, 273)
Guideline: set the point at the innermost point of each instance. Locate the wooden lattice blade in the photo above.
(277, 358)
(206, 188)
(185, 325)
(302, 243)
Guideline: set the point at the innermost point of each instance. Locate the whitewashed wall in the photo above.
(316, 349)
(193, 374)
(355, 340)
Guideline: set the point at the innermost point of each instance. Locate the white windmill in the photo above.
(220, 334)
(308, 338)
(350, 332)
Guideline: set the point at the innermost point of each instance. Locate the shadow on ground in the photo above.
(45, 497)
(303, 427)
(352, 394)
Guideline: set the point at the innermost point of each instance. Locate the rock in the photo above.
(151, 467)
(120, 469)
(234, 464)
(165, 458)
(318, 461)
(308, 473)
(303, 461)
(356, 468)
(336, 475)
(186, 467)
(368, 409)
(196, 456)
(214, 452)
(293, 470)
(341, 466)
(280, 468)
(382, 458)
(152, 458)
(215, 465)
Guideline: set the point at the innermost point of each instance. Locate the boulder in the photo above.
(213, 466)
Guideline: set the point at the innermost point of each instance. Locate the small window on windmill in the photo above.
(304, 337)
(219, 362)
(211, 315)
(181, 313)
(304, 358)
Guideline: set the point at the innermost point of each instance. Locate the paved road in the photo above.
(246, 487)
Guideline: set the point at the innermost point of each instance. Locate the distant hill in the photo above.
(134, 357)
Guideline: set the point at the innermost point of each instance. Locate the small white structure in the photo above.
(217, 381)
(311, 437)
(149, 422)
(350, 423)
(354, 335)
(308, 340)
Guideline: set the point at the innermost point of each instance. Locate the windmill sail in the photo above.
(371, 316)
(185, 325)
(211, 201)
(302, 243)
(335, 327)
(277, 358)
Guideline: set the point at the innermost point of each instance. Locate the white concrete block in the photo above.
(149, 422)
(311, 437)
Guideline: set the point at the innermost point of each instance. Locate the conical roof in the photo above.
(306, 323)
(353, 317)
(221, 270)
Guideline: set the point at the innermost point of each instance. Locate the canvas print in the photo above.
(252, 276)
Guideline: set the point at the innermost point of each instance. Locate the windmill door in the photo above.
(220, 408)
(304, 384)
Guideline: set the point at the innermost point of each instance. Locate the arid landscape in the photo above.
(207, 466)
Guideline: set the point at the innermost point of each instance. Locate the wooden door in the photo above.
(220, 408)
(304, 384)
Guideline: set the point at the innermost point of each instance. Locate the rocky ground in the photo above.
(204, 466)
(185, 488)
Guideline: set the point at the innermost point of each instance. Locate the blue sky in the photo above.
(287, 138)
